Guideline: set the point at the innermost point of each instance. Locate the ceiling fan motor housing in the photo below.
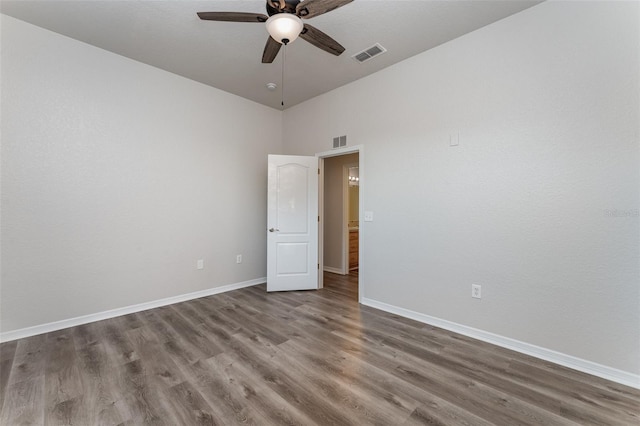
(284, 6)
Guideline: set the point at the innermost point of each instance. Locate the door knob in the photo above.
(273, 229)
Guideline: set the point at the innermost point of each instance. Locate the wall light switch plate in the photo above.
(200, 264)
(368, 216)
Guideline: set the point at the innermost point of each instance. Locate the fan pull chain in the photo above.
(284, 55)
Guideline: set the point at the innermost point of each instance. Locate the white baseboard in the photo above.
(72, 322)
(333, 270)
(599, 370)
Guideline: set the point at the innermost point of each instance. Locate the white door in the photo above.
(292, 223)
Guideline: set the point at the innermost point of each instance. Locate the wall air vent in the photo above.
(369, 53)
(340, 141)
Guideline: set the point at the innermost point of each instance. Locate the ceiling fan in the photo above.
(284, 24)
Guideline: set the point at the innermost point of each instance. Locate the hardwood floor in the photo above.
(314, 357)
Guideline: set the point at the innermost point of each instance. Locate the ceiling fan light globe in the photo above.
(284, 26)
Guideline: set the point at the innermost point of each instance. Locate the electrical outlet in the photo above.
(200, 264)
(239, 258)
(476, 291)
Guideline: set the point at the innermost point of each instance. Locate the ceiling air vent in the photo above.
(369, 53)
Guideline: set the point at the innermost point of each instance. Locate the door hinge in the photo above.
(318, 266)
(318, 170)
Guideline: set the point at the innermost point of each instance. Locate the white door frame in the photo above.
(359, 149)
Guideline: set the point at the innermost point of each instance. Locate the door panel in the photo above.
(292, 199)
(292, 258)
(292, 223)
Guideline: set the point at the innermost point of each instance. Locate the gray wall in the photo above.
(539, 201)
(117, 177)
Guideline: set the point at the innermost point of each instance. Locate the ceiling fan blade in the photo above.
(271, 50)
(321, 40)
(310, 8)
(233, 16)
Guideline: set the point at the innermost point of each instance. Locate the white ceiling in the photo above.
(227, 55)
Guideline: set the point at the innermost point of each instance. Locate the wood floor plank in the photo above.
(255, 323)
(7, 355)
(302, 396)
(230, 404)
(100, 398)
(366, 359)
(30, 359)
(115, 342)
(345, 387)
(8, 350)
(63, 384)
(456, 388)
(443, 414)
(181, 328)
(189, 407)
(184, 325)
(24, 403)
(249, 357)
(448, 363)
(86, 334)
(172, 341)
(147, 404)
(252, 391)
(161, 370)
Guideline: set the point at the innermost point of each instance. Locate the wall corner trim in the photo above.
(99, 316)
(589, 367)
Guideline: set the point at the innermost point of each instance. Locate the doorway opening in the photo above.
(340, 230)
